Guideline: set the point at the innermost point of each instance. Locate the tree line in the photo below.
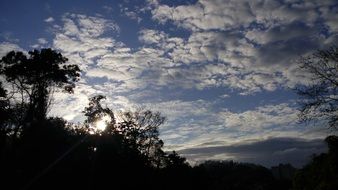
(42, 152)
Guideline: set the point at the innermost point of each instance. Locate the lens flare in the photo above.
(101, 124)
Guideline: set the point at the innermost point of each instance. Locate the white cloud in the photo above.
(6, 47)
(252, 44)
(262, 117)
(196, 124)
(225, 96)
(217, 14)
(152, 36)
(206, 59)
(42, 41)
(80, 38)
(49, 19)
(132, 15)
(233, 60)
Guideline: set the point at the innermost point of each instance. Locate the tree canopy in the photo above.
(322, 171)
(320, 96)
(30, 81)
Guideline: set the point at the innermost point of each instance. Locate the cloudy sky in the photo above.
(219, 70)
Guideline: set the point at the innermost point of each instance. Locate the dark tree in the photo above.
(320, 96)
(141, 129)
(322, 171)
(4, 107)
(232, 175)
(116, 150)
(4, 118)
(31, 80)
(175, 161)
(95, 112)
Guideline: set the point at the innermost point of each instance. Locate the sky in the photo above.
(220, 71)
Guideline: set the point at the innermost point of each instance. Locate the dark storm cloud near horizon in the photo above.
(269, 152)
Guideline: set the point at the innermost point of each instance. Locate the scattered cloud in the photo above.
(215, 14)
(131, 14)
(192, 123)
(166, 61)
(248, 50)
(6, 47)
(257, 40)
(42, 41)
(225, 96)
(107, 8)
(260, 118)
(49, 19)
(215, 51)
(80, 38)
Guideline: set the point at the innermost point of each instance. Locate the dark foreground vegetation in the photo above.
(41, 152)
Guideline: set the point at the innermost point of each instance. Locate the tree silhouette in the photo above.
(320, 96)
(174, 160)
(29, 140)
(33, 79)
(322, 171)
(141, 130)
(94, 112)
(4, 107)
(117, 148)
(233, 175)
(4, 119)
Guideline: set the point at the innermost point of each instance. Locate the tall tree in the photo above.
(4, 117)
(4, 104)
(95, 112)
(32, 79)
(320, 96)
(139, 129)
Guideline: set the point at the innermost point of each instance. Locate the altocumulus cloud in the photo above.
(257, 39)
(250, 50)
(239, 48)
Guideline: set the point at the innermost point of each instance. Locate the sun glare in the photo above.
(101, 124)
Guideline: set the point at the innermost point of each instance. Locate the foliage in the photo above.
(232, 175)
(32, 80)
(175, 161)
(320, 96)
(4, 108)
(95, 111)
(139, 129)
(320, 104)
(322, 171)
